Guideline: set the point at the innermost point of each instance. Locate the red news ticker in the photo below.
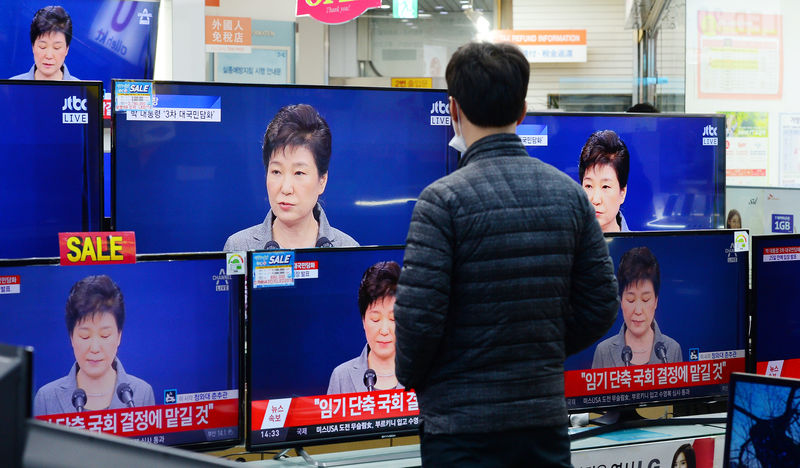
(652, 377)
(790, 368)
(307, 265)
(12, 279)
(328, 409)
(781, 250)
(152, 420)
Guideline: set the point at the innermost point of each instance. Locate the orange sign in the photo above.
(547, 45)
(412, 82)
(87, 248)
(228, 34)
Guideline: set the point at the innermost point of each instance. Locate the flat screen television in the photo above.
(305, 340)
(763, 426)
(677, 162)
(776, 326)
(173, 367)
(110, 38)
(188, 172)
(680, 331)
(51, 148)
(15, 401)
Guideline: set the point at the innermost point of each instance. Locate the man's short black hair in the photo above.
(51, 19)
(489, 82)
(299, 125)
(91, 296)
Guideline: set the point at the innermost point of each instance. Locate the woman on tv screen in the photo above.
(296, 154)
(603, 171)
(373, 369)
(95, 314)
(639, 340)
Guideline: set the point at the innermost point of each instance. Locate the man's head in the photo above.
(489, 82)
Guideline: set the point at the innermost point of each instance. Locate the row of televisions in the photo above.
(184, 169)
(205, 374)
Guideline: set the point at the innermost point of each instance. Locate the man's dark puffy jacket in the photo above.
(506, 272)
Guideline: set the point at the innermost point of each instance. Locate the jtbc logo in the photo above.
(74, 103)
(440, 107)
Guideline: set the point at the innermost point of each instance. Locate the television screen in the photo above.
(51, 145)
(677, 162)
(680, 330)
(318, 372)
(188, 172)
(148, 350)
(15, 402)
(776, 326)
(763, 428)
(110, 38)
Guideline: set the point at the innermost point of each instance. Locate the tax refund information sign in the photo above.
(335, 11)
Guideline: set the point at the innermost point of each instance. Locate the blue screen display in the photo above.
(677, 162)
(776, 265)
(51, 148)
(299, 334)
(180, 333)
(700, 311)
(763, 428)
(110, 38)
(188, 185)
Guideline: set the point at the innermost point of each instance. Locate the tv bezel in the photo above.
(87, 222)
(389, 434)
(719, 175)
(451, 162)
(755, 248)
(745, 305)
(170, 257)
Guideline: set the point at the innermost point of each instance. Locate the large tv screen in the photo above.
(317, 371)
(188, 172)
(110, 38)
(680, 331)
(51, 148)
(677, 162)
(148, 350)
(776, 325)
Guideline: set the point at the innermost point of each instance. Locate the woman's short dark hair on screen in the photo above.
(638, 264)
(94, 295)
(489, 82)
(688, 453)
(51, 19)
(379, 281)
(606, 147)
(299, 125)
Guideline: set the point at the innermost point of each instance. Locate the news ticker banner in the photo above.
(97, 248)
(641, 384)
(546, 45)
(780, 368)
(213, 417)
(781, 254)
(335, 11)
(310, 417)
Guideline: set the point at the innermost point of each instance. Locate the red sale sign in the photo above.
(335, 11)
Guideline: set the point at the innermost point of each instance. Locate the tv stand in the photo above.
(400, 453)
(628, 418)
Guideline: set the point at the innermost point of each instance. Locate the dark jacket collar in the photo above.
(488, 146)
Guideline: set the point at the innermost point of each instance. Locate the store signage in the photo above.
(547, 45)
(228, 34)
(335, 11)
(92, 248)
(412, 82)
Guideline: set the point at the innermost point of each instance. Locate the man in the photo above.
(506, 272)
